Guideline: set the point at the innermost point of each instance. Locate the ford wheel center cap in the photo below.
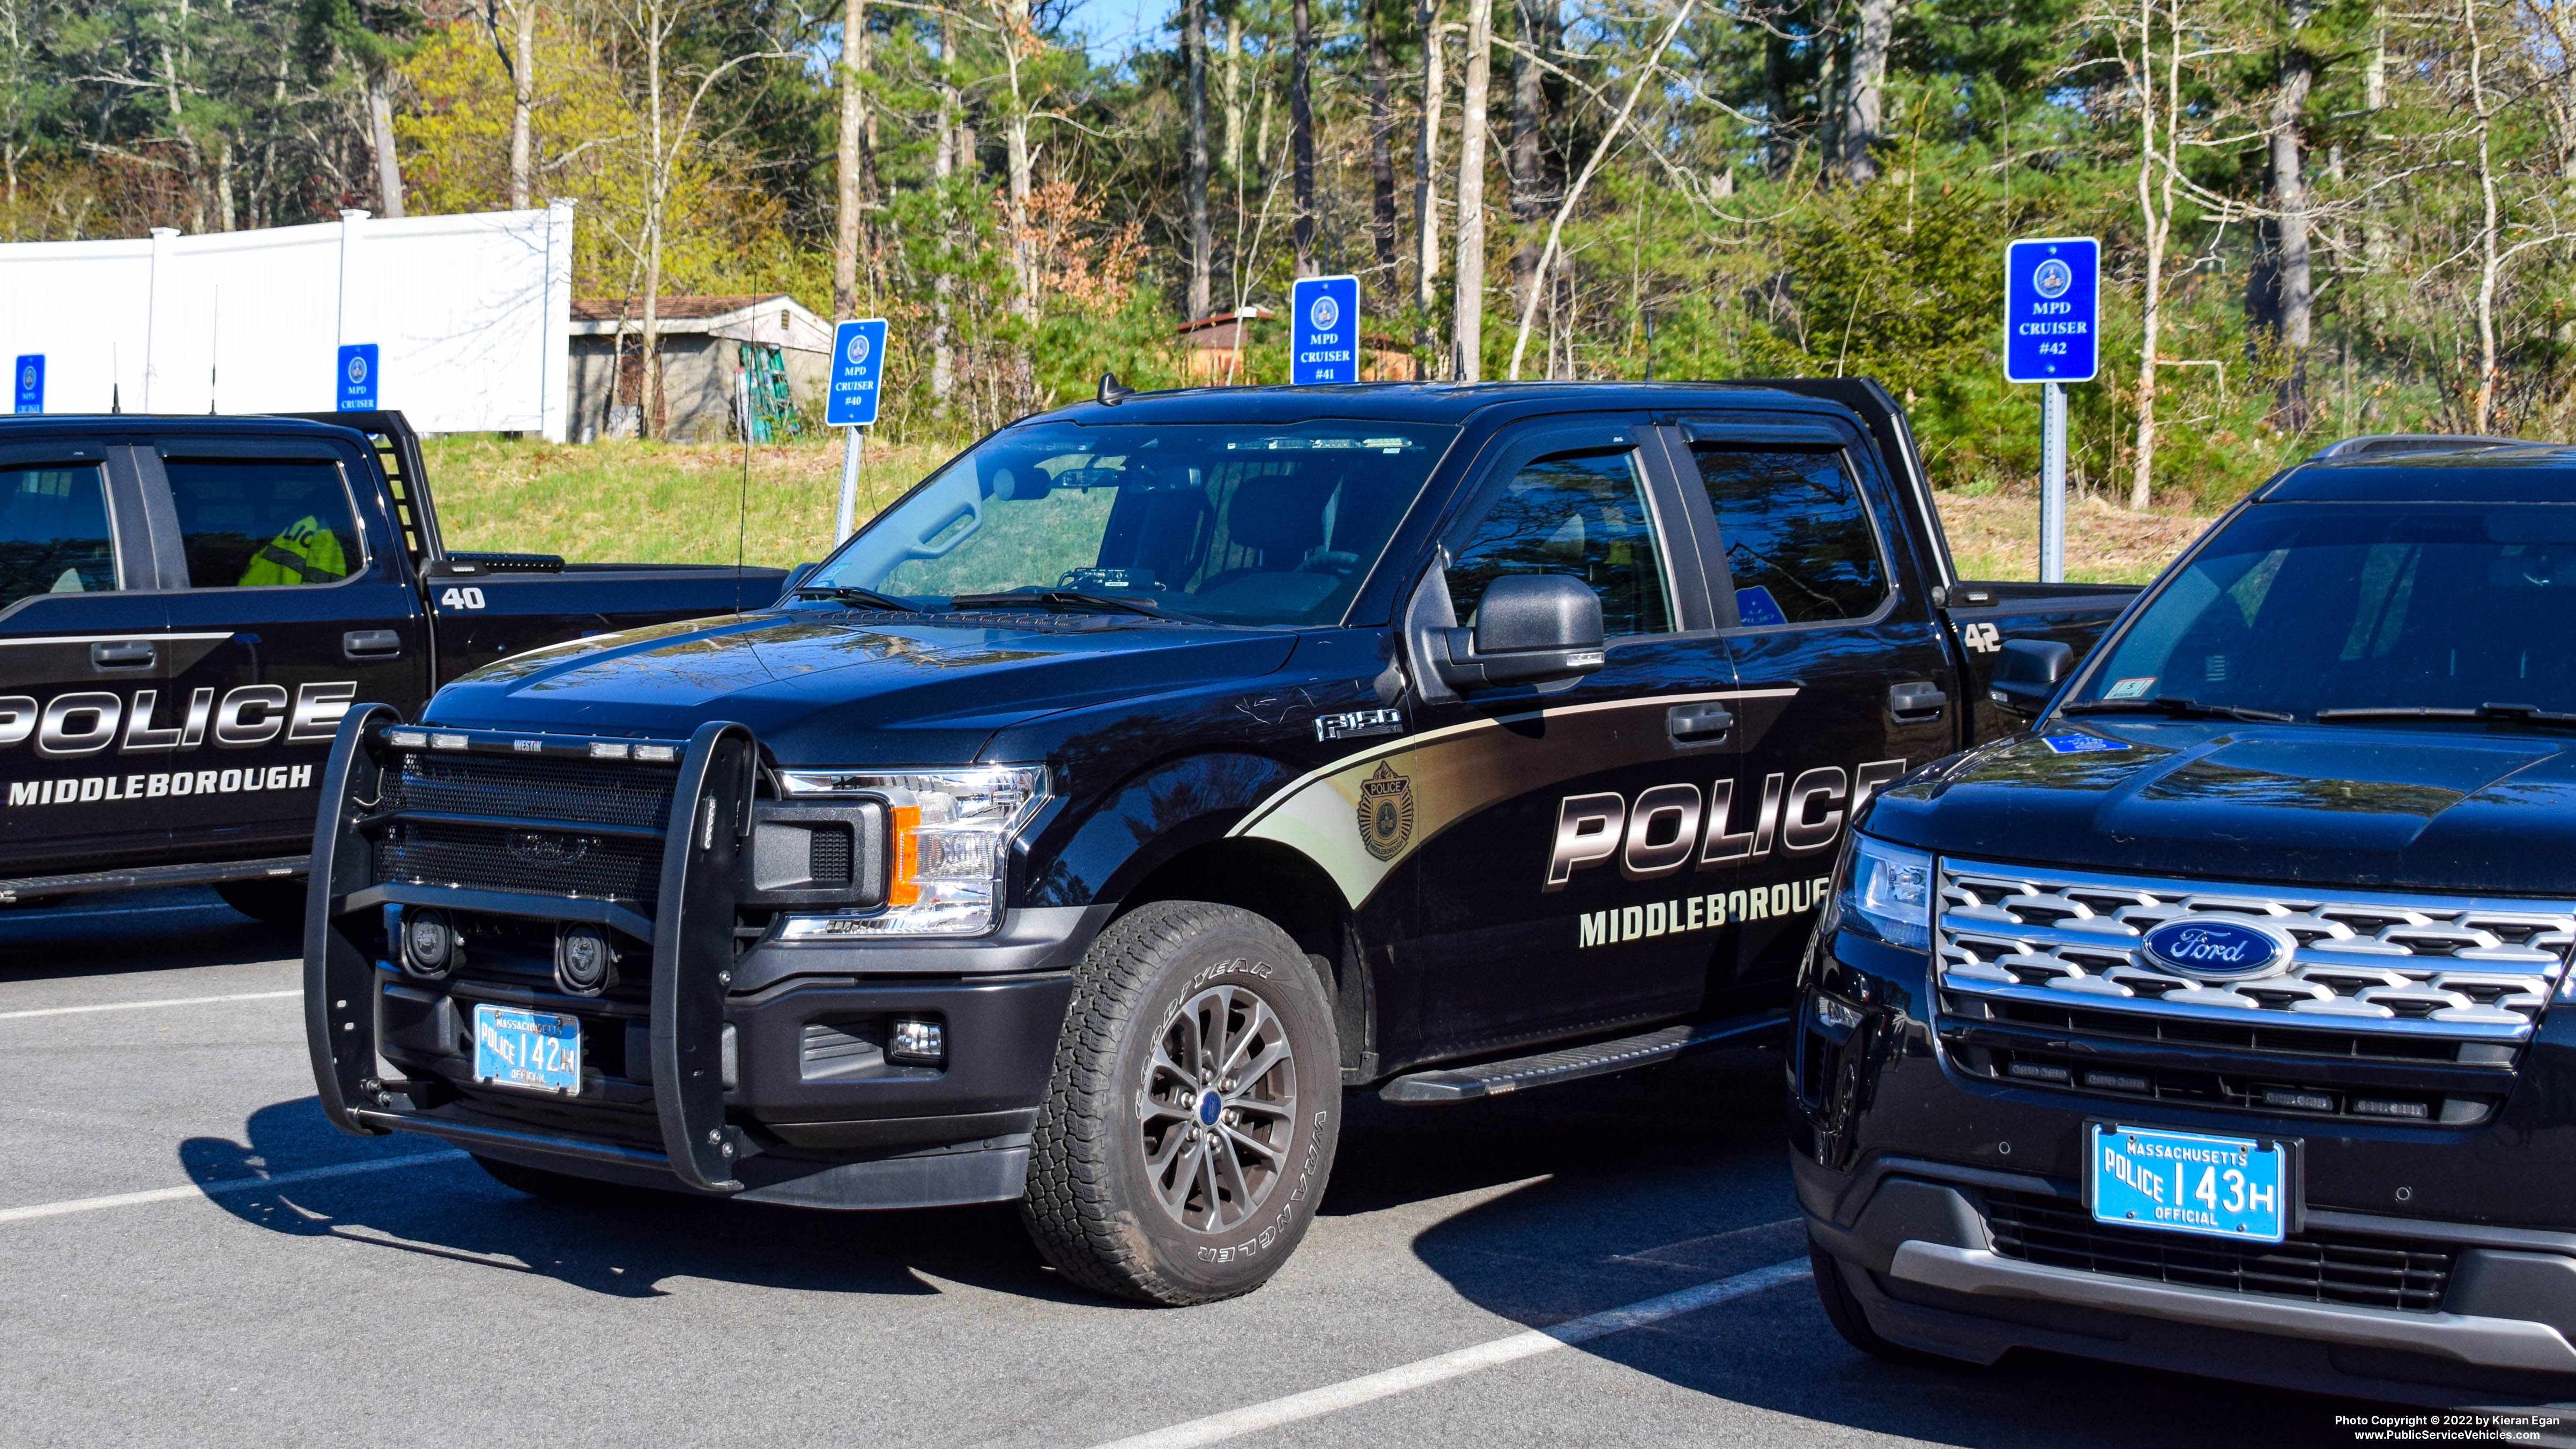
(2220, 948)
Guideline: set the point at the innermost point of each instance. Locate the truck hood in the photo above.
(2385, 807)
(823, 690)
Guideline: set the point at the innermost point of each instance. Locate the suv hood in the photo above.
(819, 689)
(2387, 807)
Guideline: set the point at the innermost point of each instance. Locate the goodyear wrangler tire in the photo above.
(1191, 1119)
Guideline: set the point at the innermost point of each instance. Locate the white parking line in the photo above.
(215, 1189)
(1314, 1403)
(141, 1005)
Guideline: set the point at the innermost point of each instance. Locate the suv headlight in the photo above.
(948, 850)
(1889, 891)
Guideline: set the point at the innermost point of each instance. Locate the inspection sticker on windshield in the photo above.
(2130, 688)
(2224, 1187)
(2080, 744)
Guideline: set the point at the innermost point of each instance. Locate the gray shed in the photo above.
(703, 342)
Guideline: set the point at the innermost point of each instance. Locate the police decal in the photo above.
(1386, 812)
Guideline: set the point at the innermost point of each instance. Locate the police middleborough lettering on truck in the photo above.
(1148, 777)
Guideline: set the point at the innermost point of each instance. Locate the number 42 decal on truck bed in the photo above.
(461, 599)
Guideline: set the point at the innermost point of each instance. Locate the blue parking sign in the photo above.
(2052, 309)
(358, 378)
(30, 374)
(1324, 330)
(858, 366)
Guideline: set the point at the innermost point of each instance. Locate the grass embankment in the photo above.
(638, 502)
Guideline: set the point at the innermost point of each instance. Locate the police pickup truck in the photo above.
(187, 605)
(2210, 1024)
(1155, 771)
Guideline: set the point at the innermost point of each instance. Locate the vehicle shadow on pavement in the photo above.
(119, 931)
(622, 1242)
(1666, 1179)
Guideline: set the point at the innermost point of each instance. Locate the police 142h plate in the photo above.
(516, 1047)
(2225, 1187)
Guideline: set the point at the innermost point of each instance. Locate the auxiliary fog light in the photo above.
(916, 1042)
(428, 943)
(584, 963)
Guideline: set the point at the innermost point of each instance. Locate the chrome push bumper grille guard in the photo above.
(2387, 993)
(690, 929)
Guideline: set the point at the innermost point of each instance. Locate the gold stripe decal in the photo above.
(1365, 814)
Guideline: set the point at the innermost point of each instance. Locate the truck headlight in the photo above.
(948, 847)
(1889, 892)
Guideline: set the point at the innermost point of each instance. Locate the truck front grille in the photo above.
(504, 824)
(2321, 1267)
(2395, 1008)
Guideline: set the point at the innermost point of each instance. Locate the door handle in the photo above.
(1916, 701)
(130, 654)
(371, 644)
(1698, 724)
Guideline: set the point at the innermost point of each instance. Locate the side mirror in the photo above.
(2027, 672)
(1530, 629)
(796, 578)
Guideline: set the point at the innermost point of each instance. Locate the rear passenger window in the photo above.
(249, 525)
(1582, 514)
(53, 533)
(1797, 538)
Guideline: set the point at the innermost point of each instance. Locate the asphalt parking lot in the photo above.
(189, 1255)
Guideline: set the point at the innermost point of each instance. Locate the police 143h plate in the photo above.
(2224, 1187)
(516, 1047)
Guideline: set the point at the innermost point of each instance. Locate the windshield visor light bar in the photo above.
(1889, 892)
(951, 834)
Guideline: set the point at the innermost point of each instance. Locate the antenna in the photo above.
(1112, 393)
(214, 344)
(742, 424)
(115, 383)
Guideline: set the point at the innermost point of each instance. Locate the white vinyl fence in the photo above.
(471, 315)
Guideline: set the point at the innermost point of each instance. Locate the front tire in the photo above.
(1843, 1310)
(1190, 1123)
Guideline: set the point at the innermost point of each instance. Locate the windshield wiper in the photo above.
(848, 594)
(2508, 713)
(1069, 600)
(2179, 708)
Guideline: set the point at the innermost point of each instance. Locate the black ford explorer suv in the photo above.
(1142, 780)
(2208, 1024)
(187, 604)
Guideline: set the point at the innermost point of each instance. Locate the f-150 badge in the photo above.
(1386, 812)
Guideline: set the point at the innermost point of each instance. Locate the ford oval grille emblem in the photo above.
(2212, 947)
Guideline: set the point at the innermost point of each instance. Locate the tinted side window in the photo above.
(1582, 514)
(1797, 538)
(53, 533)
(250, 525)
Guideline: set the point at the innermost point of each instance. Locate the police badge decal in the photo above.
(1386, 812)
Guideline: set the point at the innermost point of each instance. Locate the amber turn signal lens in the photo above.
(903, 884)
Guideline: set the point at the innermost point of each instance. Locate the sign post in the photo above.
(2052, 311)
(1324, 330)
(858, 365)
(358, 391)
(30, 373)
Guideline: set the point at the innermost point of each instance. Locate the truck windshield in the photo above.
(2314, 608)
(1235, 524)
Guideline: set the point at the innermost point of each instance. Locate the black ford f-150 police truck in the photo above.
(2209, 1024)
(1147, 776)
(187, 604)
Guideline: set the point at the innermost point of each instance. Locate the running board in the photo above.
(275, 866)
(1571, 1064)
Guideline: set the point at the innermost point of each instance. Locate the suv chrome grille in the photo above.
(2403, 1273)
(2394, 1008)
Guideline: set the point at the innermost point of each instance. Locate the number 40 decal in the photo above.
(461, 599)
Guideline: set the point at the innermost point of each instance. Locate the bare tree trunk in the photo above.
(946, 162)
(2157, 230)
(1301, 130)
(1467, 328)
(2378, 247)
(523, 105)
(1234, 95)
(848, 201)
(1202, 240)
(2290, 198)
(648, 411)
(1381, 142)
(1426, 185)
(189, 154)
(389, 183)
(1778, 152)
(1019, 31)
(1864, 107)
(2490, 265)
(224, 187)
(1521, 160)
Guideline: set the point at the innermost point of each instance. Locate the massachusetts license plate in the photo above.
(516, 1047)
(2226, 1187)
